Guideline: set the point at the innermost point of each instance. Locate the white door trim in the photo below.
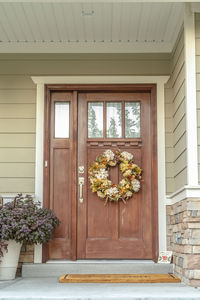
(158, 80)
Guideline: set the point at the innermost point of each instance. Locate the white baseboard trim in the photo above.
(187, 191)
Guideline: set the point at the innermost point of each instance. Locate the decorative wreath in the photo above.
(99, 173)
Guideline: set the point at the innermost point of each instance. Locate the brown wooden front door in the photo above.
(122, 119)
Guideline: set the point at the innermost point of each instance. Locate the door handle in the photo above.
(81, 183)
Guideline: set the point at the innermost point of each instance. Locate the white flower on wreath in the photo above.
(101, 174)
(135, 185)
(123, 182)
(127, 173)
(127, 155)
(112, 191)
(109, 155)
(106, 183)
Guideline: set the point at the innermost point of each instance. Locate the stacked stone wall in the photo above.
(183, 238)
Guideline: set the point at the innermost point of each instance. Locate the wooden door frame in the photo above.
(75, 88)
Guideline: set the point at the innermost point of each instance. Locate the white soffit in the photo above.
(82, 27)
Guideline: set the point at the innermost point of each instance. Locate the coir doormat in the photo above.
(118, 278)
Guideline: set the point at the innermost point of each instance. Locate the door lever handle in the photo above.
(81, 183)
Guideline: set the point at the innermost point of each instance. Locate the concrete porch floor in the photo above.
(49, 288)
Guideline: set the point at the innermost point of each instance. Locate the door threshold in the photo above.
(99, 261)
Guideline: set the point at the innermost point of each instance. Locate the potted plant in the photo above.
(22, 221)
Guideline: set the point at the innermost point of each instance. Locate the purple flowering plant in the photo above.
(23, 220)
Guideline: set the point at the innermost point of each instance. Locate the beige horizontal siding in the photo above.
(180, 147)
(15, 96)
(13, 125)
(197, 42)
(180, 179)
(176, 160)
(17, 155)
(179, 121)
(17, 140)
(16, 185)
(21, 111)
(21, 170)
(17, 134)
(169, 154)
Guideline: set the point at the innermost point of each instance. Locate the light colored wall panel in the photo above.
(197, 44)
(179, 96)
(16, 185)
(77, 64)
(198, 82)
(170, 155)
(11, 82)
(19, 155)
(178, 48)
(14, 111)
(179, 114)
(168, 110)
(181, 179)
(179, 130)
(17, 140)
(169, 140)
(176, 160)
(179, 80)
(17, 125)
(168, 94)
(178, 67)
(170, 170)
(21, 170)
(83, 68)
(168, 125)
(180, 163)
(170, 185)
(180, 147)
(17, 96)
(198, 101)
(198, 116)
(197, 29)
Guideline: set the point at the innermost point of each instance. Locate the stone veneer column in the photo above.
(183, 238)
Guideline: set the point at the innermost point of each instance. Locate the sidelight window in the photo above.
(61, 119)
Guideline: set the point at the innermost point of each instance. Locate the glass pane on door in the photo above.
(114, 119)
(132, 119)
(95, 119)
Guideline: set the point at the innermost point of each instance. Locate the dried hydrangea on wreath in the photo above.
(99, 176)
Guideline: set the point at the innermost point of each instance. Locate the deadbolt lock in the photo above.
(81, 169)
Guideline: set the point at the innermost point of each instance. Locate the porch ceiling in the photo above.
(33, 27)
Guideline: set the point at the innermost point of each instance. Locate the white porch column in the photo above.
(39, 158)
(190, 94)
